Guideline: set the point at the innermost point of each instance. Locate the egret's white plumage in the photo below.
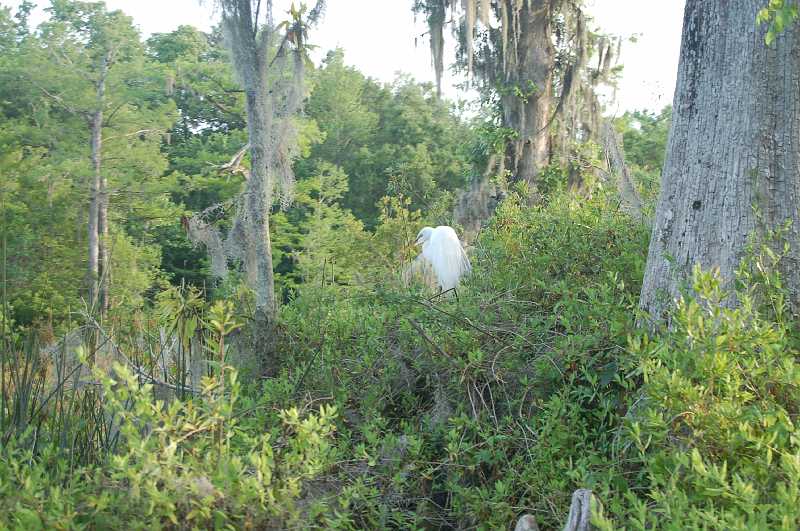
(442, 249)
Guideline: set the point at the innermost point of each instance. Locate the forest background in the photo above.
(137, 383)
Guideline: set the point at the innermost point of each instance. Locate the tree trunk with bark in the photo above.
(733, 156)
(105, 249)
(99, 256)
(94, 209)
(258, 201)
(530, 66)
(250, 49)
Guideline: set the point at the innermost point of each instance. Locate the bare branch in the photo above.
(60, 101)
(616, 165)
(235, 164)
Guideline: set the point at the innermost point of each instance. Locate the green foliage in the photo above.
(39, 224)
(184, 463)
(529, 352)
(537, 381)
(644, 136)
(390, 409)
(776, 16)
(716, 435)
(459, 412)
(48, 91)
(397, 139)
(171, 469)
(322, 241)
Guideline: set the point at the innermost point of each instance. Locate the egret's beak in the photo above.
(418, 241)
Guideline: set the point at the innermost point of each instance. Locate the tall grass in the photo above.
(50, 400)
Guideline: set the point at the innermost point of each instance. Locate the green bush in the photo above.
(717, 435)
(186, 464)
(461, 412)
(505, 398)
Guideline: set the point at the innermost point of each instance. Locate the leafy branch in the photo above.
(777, 15)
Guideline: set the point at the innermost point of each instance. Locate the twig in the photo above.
(427, 338)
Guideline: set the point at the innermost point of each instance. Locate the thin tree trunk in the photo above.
(618, 171)
(94, 209)
(98, 222)
(733, 156)
(257, 204)
(251, 51)
(532, 73)
(105, 251)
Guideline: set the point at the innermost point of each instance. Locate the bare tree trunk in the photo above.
(529, 113)
(257, 204)
(580, 514)
(105, 251)
(618, 170)
(98, 210)
(94, 209)
(733, 151)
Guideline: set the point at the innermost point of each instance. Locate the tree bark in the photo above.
(249, 49)
(98, 203)
(257, 204)
(733, 150)
(618, 171)
(580, 514)
(94, 208)
(531, 71)
(105, 250)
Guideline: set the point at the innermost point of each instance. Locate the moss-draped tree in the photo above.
(269, 60)
(532, 57)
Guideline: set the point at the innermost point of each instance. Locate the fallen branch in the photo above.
(427, 338)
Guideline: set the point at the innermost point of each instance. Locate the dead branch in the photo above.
(234, 165)
(615, 158)
(427, 338)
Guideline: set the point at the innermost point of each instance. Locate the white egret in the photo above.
(442, 249)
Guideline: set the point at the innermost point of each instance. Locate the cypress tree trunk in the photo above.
(532, 72)
(105, 251)
(734, 147)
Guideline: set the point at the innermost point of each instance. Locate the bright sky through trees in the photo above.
(382, 50)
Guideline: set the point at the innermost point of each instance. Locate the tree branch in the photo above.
(235, 164)
(61, 102)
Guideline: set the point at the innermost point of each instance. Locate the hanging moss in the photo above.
(577, 110)
(504, 21)
(277, 61)
(436, 19)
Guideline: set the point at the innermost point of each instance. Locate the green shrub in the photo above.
(461, 412)
(185, 464)
(717, 435)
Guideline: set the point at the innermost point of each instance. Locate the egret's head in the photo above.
(423, 236)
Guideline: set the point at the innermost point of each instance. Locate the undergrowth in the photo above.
(394, 410)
